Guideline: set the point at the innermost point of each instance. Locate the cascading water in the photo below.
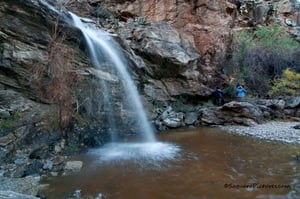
(102, 48)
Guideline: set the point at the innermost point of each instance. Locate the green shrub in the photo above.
(268, 37)
(288, 84)
(260, 55)
(55, 121)
(7, 120)
(140, 20)
(6, 124)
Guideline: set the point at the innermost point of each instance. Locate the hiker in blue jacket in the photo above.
(240, 92)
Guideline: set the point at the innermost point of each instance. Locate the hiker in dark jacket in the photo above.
(218, 96)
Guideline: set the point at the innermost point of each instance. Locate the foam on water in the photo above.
(150, 152)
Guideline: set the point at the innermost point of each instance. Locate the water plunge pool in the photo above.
(185, 164)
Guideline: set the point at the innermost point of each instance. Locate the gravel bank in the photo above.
(275, 131)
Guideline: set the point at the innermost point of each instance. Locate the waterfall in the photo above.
(110, 63)
(102, 48)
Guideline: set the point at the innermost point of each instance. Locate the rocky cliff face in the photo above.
(207, 23)
(24, 35)
(36, 93)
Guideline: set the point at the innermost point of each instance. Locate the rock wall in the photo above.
(208, 23)
(24, 39)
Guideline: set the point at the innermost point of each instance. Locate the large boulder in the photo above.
(243, 109)
(272, 103)
(232, 113)
(162, 41)
(171, 62)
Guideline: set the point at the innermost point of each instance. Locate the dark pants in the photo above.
(218, 101)
(239, 99)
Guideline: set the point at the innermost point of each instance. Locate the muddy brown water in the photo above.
(210, 164)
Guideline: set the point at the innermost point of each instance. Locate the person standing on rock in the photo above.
(218, 96)
(240, 93)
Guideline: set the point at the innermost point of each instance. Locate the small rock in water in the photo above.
(296, 127)
(48, 165)
(73, 166)
(297, 158)
(100, 196)
(77, 193)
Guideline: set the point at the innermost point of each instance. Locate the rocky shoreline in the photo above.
(281, 131)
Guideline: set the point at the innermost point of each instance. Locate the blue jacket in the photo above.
(240, 92)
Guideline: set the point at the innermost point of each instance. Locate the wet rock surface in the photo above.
(15, 195)
(19, 187)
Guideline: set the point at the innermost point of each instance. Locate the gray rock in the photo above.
(166, 113)
(73, 166)
(20, 160)
(272, 103)
(6, 140)
(297, 126)
(48, 165)
(174, 120)
(171, 58)
(28, 185)
(290, 22)
(164, 41)
(242, 113)
(292, 102)
(190, 118)
(77, 193)
(243, 109)
(15, 195)
(209, 116)
(100, 196)
(244, 121)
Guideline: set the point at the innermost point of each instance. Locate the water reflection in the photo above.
(212, 164)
